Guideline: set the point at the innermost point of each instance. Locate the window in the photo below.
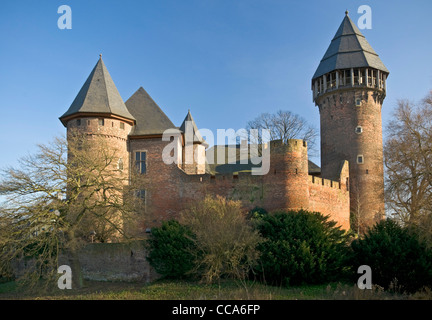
(358, 102)
(120, 165)
(140, 161)
(78, 122)
(141, 194)
(101, 122)
(356, 77)
(122, 125)
(360, 159)
(358, 129)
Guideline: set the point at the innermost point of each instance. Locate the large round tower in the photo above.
(98, 110)
(349, 87)
(99, 116)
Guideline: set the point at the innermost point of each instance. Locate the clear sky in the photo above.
(225, 60)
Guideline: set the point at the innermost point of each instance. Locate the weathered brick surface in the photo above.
(287, 185)
(170, 188)
(339, 141)
(115, 134)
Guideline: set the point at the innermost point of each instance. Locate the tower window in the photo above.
(360, 159)
(141, 161)
(122, 126)
(101, 122)
(120, 165)
(358, 129)
(78, 122)
(358, 102)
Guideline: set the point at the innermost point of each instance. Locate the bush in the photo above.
(398, 259)
(226, 241)
(301, 247)
(172, 250)
(256, 213)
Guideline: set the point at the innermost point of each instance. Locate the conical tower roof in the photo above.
(349, 49)
(98, 96)
(197, 138)
(150, 119)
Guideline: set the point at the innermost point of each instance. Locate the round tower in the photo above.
(349, 87)
(287, 181)
(99, 123)
(99, 111)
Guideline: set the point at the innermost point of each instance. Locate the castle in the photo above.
(348, 87)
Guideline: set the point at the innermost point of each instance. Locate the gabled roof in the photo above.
(197, 138)
(150, 119)
(348, 49)
(98, 95)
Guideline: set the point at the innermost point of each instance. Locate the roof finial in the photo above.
(346, 12)
(100, 55)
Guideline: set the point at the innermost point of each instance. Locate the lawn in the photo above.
(190, 290)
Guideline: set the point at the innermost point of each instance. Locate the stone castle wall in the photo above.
(287, 185)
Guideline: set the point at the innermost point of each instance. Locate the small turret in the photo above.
(194, 150)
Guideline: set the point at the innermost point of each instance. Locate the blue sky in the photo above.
(225, 60)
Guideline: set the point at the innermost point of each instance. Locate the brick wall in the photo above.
(287, 185)
(340, 116)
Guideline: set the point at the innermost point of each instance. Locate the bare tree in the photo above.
(57, 199)
(284, 125)
(225, 239)
(408, 162)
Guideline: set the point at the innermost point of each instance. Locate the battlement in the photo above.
(291, 145)
(324, 182)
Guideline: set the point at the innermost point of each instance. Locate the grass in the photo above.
(190, 290)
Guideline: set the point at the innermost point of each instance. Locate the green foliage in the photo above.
(172, 249)
(301, 248)
(398, 260)
(256, 213)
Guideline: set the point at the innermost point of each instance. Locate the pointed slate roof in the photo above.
(348, 49)
(150, 119)
(98, 95)
(197, 138)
